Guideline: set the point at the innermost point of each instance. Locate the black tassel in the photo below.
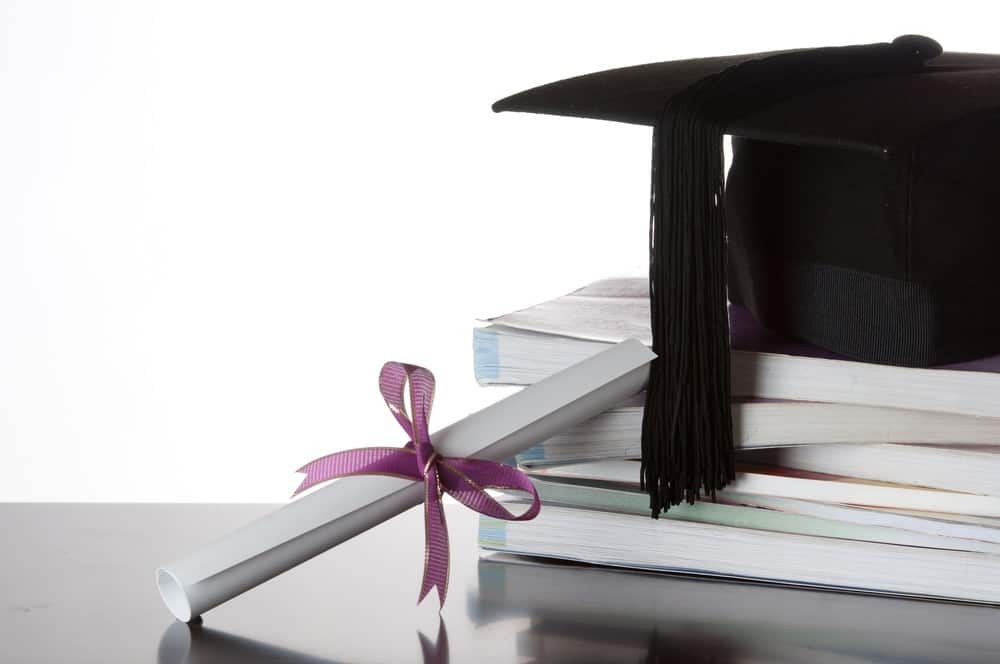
(687, 433)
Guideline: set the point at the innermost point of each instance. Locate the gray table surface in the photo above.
(76, 584)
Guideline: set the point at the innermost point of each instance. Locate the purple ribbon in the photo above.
(465, 479)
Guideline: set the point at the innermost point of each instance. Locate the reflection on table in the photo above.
(581, 614)
(196, 644)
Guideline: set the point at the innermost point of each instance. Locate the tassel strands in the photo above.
(687, 439)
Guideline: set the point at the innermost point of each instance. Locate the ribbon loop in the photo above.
(466, 480)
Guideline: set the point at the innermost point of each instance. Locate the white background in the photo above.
(218, 219)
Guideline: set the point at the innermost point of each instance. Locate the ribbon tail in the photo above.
(436, 543)
(363, 461)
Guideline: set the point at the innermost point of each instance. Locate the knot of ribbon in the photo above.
(466, 480)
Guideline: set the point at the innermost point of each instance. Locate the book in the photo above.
(732, 510)
(522, 347)
(616, 433)
(790, 483)
(971, 470)
(671, 545)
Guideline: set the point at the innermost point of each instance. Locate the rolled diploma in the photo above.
(332, 514)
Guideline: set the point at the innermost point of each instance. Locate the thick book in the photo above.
(671, 545)
(780, 482)
(968, 469)
(523, 347)
(834, 521)
(617, 434)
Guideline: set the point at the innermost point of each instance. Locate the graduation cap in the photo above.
(860, 215)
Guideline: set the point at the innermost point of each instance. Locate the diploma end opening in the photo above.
(173, 595)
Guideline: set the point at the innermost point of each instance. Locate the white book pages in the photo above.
(843, 491)
(835, 521)
(966, 470)
(695, 548)
(764, 424)
(510, 356)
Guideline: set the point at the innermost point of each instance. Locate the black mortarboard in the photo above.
(861, 214)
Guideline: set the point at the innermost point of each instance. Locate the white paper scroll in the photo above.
(332, 514)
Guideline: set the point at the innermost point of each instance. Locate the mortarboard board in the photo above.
(859, 215)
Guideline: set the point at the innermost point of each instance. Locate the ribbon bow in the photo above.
(465, 479)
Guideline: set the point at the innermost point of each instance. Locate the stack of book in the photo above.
(851, 475)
